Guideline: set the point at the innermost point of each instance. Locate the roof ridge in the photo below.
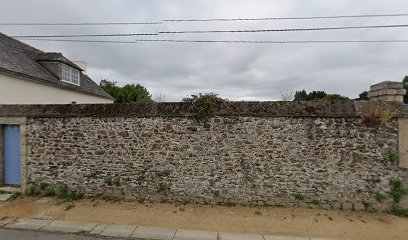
(37, 51)
(22, 59)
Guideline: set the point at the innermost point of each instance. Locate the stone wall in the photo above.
(251, 153)
(244, 160)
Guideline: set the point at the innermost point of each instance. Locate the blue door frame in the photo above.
(11, 155)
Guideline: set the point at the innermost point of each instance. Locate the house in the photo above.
(31, 76)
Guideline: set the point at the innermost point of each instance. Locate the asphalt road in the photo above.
(6, 234)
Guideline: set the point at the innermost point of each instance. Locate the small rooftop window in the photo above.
(69, 74)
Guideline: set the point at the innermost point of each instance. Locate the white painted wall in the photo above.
(14, 90)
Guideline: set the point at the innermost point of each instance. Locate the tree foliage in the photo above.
(317, 95)
(110, 87)
(363, 96)
(129, 93)
(134, 93)
(204, 105)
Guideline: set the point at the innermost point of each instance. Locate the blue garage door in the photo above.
(11, 154)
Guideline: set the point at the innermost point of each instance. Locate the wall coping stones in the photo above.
(333, 109)
(387, 85)
(179, 109)
(387, 91)
(397, 108)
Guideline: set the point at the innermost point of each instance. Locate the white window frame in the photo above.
(70, 75)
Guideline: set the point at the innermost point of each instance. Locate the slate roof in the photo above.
(21, 59)
(55, 57)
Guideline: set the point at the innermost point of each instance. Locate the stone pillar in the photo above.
(387, 91)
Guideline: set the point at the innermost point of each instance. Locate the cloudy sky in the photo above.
(235, 71)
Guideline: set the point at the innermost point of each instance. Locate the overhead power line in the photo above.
(214, 31)
(200, 20)
(271, 42)
(286, 18)
(287, 29)
(219, 41)
(80, 24)
(87, 35)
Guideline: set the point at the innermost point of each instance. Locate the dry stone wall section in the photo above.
(332, 162)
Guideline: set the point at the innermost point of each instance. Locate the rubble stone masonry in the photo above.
(323, 152)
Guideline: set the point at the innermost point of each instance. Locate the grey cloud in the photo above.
(236, 71)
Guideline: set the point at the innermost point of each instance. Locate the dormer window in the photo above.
(69, 74)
